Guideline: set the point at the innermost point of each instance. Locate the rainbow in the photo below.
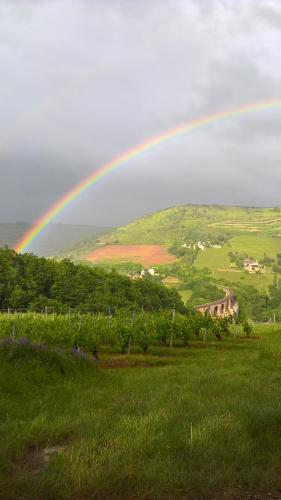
(39, 226)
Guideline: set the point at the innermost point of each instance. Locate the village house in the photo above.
(139, 275)
(202, 245)
(152, 272)
(252, 266)
(135, 276)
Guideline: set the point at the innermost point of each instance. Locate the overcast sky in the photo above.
(82, 80)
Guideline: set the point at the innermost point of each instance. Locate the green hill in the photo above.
(180, 224)
(250, 230)
(226, 235)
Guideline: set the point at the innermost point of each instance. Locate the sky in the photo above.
(83, 80)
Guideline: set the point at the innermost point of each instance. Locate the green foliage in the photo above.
(203, 286)
(21, 352)
(247, 328)
(238, 258)
(277, 266)
(256, 305)
(30, 282)
(91, 331)
(266, 260)
(122, 330)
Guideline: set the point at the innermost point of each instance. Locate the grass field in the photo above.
(214, 258)
(185, 295)
(254, 245)
(261, 282)
(202, 421)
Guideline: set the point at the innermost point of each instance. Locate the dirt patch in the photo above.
(131, 361)
(36, 458)
(123, 363)
(178, 495)
(144, 254)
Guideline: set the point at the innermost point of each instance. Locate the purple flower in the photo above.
(6, 342)
(23, 341)
(79, 354)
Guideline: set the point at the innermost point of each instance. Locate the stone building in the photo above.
(228, 306)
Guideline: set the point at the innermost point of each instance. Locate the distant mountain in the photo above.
(10, 233)
(57, 238)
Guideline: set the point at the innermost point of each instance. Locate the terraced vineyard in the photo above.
(175, 225)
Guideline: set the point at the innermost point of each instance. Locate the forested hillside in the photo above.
(30, 282)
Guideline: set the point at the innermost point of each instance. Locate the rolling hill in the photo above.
(219, 230)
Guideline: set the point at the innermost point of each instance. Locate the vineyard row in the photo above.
(89, 331)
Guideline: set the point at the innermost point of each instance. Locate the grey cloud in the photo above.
(83, 80)
(268, 12)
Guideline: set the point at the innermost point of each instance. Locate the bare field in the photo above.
(145, 254)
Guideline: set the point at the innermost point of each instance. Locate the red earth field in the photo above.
(145, 254)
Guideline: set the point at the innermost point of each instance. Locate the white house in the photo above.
(251, 265)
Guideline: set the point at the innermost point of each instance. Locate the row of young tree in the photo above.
(90, 331)
(34, 283)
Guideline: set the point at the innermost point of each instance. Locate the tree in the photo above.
(31, 282)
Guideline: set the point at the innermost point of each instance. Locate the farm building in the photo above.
(251, 265)
(144, 272)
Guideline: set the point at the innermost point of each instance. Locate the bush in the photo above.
(247, 328)
(22, 351)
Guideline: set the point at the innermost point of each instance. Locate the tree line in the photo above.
(34, 283)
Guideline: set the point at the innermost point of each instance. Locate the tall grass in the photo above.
(207, 421)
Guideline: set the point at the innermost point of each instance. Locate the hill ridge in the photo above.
(217, 237)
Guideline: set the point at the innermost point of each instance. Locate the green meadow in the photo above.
(201, 421)
(218, 261)
(255, 246)
(260, 282)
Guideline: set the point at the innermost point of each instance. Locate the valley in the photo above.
(201, 246)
